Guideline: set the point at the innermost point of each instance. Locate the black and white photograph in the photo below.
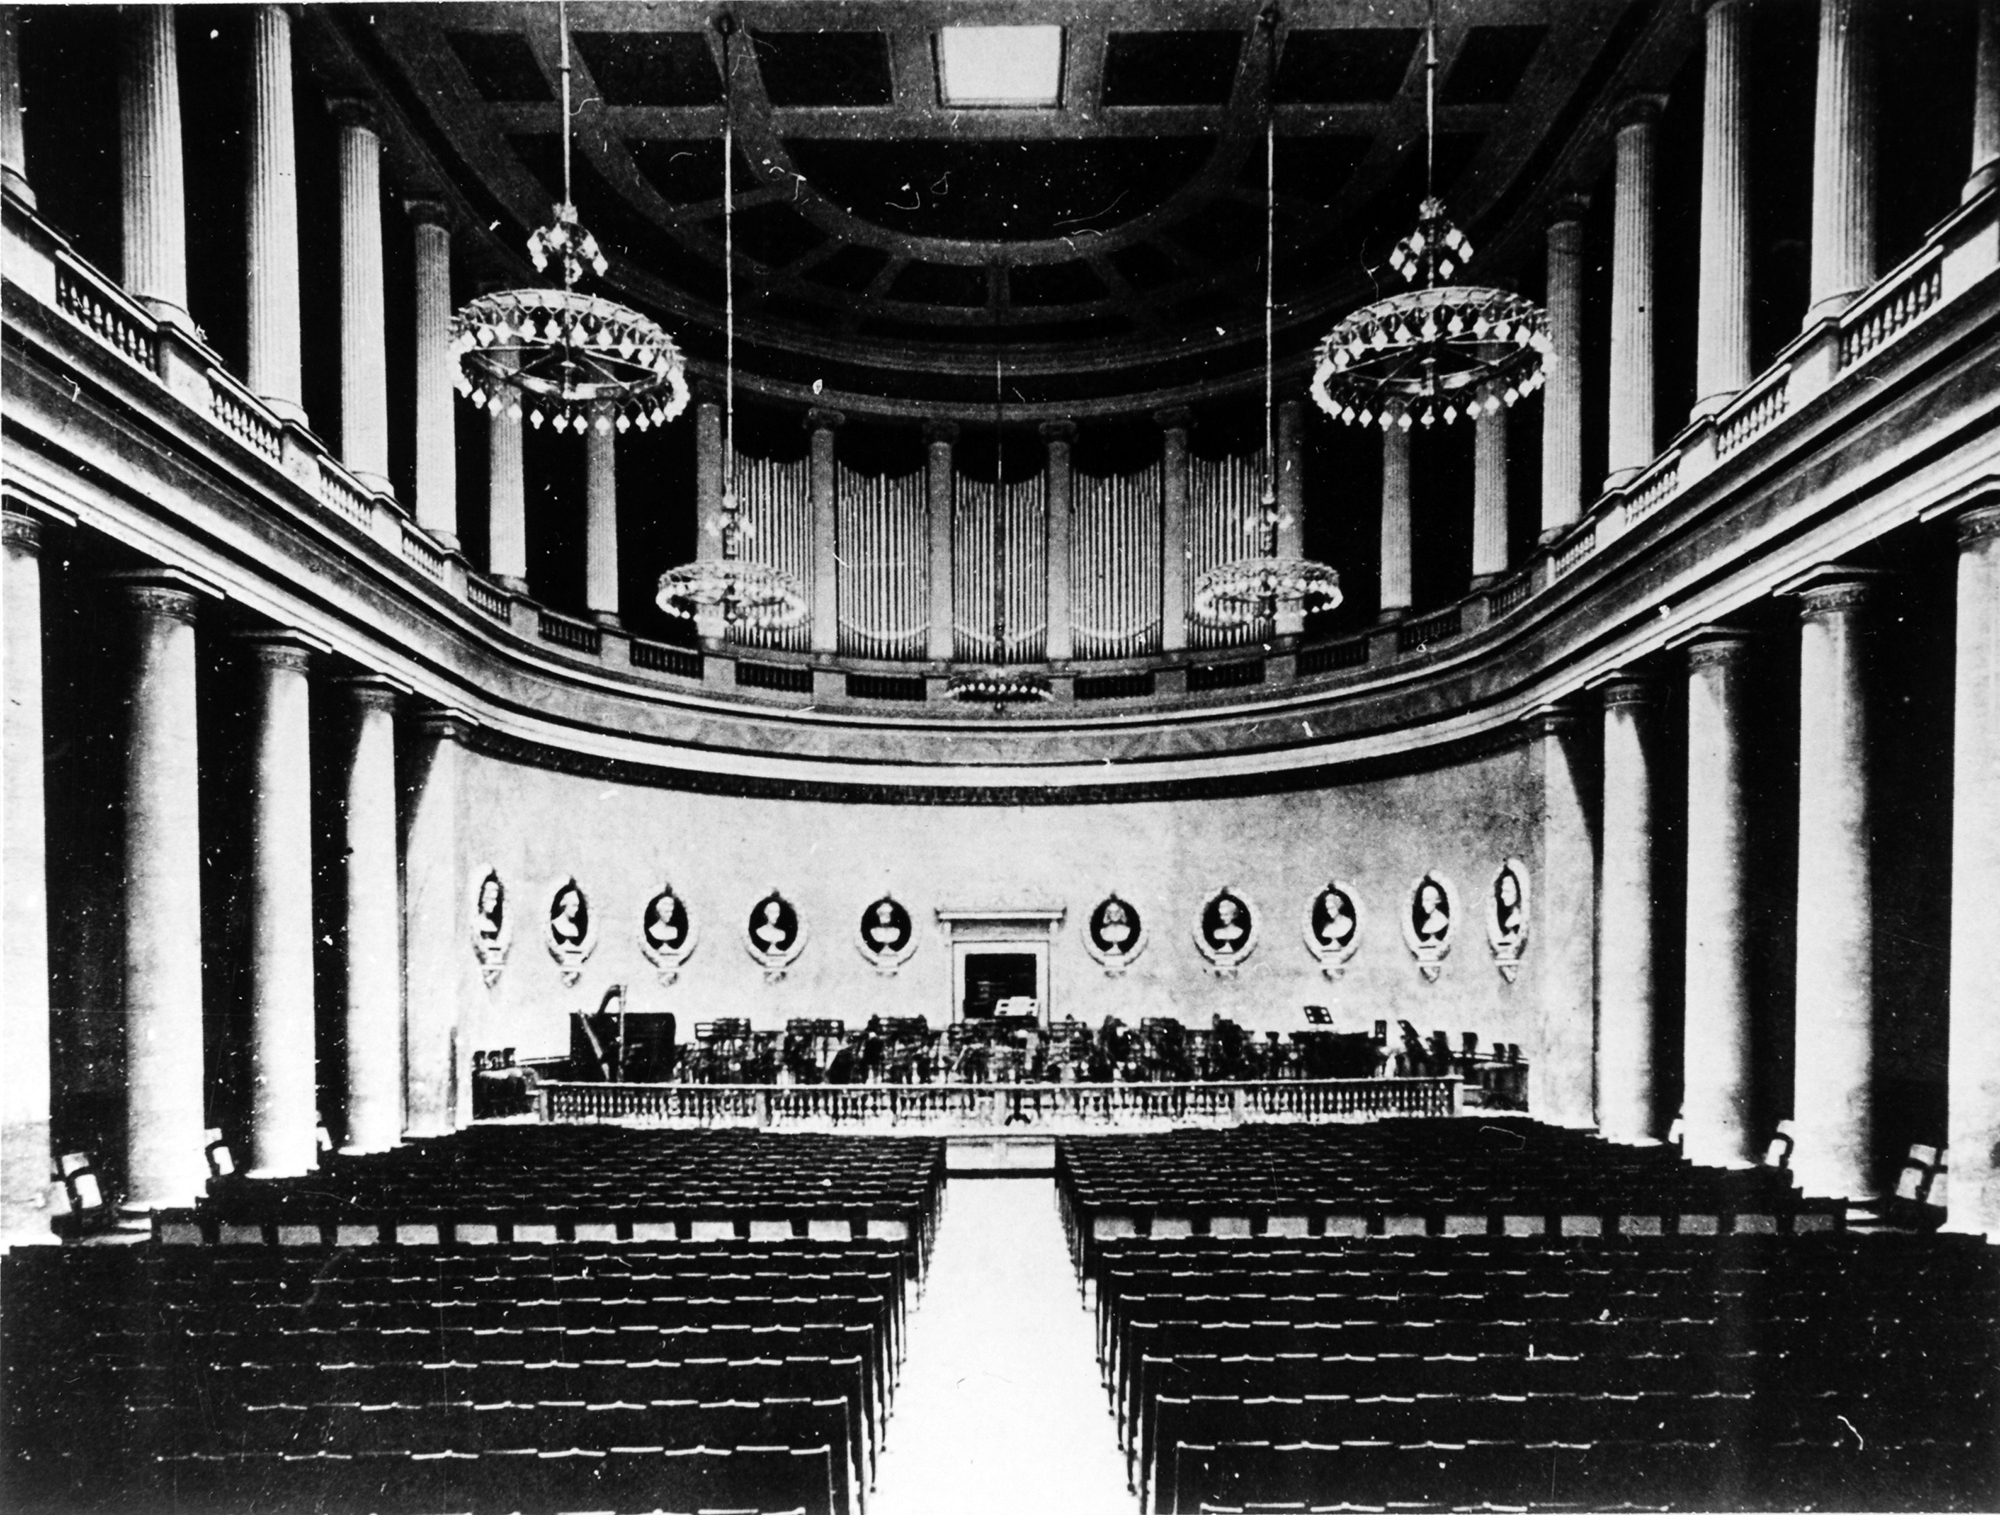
(1010, 757)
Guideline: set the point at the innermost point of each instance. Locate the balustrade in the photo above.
(991, 1108)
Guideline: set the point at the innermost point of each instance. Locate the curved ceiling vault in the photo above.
(1100, 247)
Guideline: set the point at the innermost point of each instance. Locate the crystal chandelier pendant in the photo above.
(1254, 591)
(1438, 350)
(740, 593)
(559, 357)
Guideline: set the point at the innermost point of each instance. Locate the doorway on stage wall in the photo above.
(1000, 954)
(1002, 983)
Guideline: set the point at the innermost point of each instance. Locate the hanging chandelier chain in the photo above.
(1430, 102)
(1269, 21)
(727, 24)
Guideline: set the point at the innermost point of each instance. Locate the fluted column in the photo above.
(154, 196)
(506, 498)
(165, 1164)
(437, 454)
(1058, 435)
(600, 521)
(1489, 497)
(434, 928)
(373, 983)
(1630, 442)
(1395, 576)
(826, 532)
(272, 219)
(1833, 1067)
(1565, 922)
(24, 948)
(1718, 1083)
(1843, 188)
(1173, 528)
(1985, 100)
(364, 364)
(13, 140)
(1974, 1053)
(1722, 326)
(1627, 1081)
(283, 1073)
(1290, 486)
(1562, 395)
(939, 437)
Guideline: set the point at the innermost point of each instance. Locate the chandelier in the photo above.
(998, 684)
(1437, 350)
(1251, 591)
(734, 591)
(559, 356)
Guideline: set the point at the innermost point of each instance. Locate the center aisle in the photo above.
(1000, 1406)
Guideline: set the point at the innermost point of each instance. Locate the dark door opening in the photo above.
(993, 976)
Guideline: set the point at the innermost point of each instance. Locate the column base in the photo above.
(513, 586)
(1481, 582)
(1983, 178)
(287, 409)
(1618, 478)
(1392, 615)
(608, 618)
(16, 185)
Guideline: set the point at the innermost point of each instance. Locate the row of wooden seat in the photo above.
(1695, 1355)
(442, 1364)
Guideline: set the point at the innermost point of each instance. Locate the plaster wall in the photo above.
(722, 854)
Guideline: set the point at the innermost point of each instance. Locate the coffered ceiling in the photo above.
(891, 245)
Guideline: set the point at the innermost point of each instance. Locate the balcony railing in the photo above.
(996, 1108)
(1958, 256)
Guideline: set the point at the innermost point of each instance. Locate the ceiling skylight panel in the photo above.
(1000, 67)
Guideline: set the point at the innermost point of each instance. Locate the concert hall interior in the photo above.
(1197, 755)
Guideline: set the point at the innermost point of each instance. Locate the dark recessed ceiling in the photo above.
(1170, 68)
(1000, 191)
(651, 68)
(502, 66)
(1346, 67)
(1123, 230)
(824, 68)
(1490, 64)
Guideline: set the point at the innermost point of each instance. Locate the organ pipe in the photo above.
(885, 594)
(777, 516)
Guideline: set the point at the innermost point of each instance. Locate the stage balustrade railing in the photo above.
(995, 1108)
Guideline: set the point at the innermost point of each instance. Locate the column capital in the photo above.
(372, 691)
(162, 592)
(1715, 645)
(22, 531)
(1173, 418)
(707, 392)
(937, 429)
(360, 111)
(445, 725)
(425, 210)
(1568, 209)
(1627, 688)
(1555, 719)
(1058, 431)
(1831, 587)
(281, 647)
(819, 418)
(1641, 109)
(1979, 523)
(1703, 7)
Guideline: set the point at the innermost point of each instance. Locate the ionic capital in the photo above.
(358, 111)
(281, 648)
(443, 725)
(161, 593)
(1979, 523)
(1626, 690)
(426, 211)
(22, 531)
(821, 419)
(371, 691)
(1173, 418)
(1550, 720)
(940, 432)
(1058, 431)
